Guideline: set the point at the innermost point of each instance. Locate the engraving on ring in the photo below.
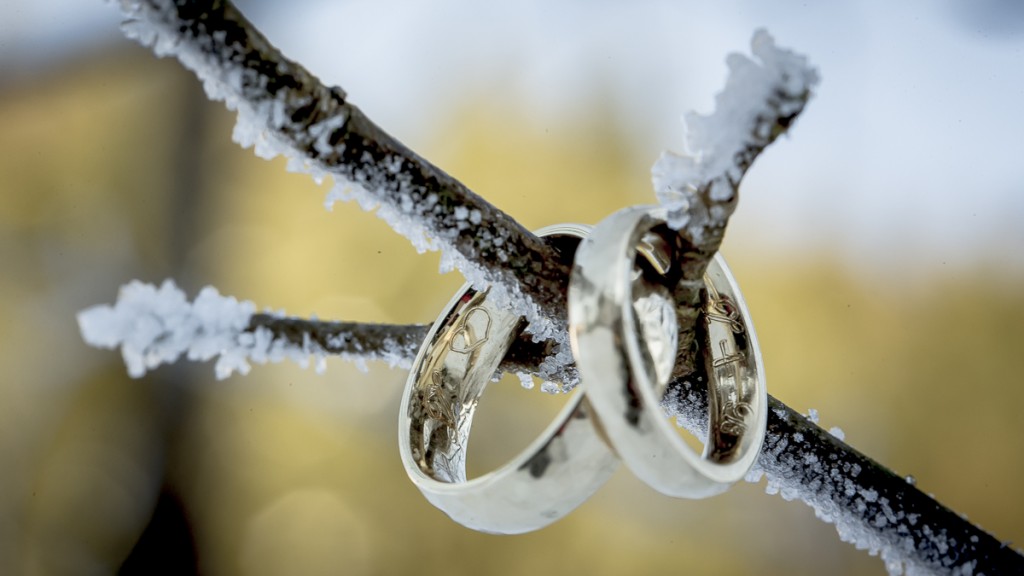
(437, 404)
(450, 466)
(727, 358)
(734, 416)
(444, 425)
(721, 309)
(465, 339)
(733, 413)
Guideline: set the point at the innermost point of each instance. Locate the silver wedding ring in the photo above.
(459, 357)
(625, 349)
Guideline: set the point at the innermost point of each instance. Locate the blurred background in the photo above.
(879, 248)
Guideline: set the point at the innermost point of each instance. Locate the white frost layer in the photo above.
(754, 92)
(258, 121)
(837, 494)
(257, 126)
(872, 523)
(155, 326)
(403, 219)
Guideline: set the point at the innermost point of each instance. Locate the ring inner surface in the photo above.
(463, 356)
(731, 365)
(722, 335)
(461, 360)
(655, 322)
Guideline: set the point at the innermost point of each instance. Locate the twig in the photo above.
(158, 325)
(760, 102)
(336, 338)
(284, 109)
(871, 507)
(344, 338)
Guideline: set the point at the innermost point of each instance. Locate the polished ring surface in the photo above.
(622, 359)
(550, 478)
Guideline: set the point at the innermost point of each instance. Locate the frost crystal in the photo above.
(383, 184)
(812, 415)
(835, 486)
(525, 380)
(758, 99)
(552, 388)
(839, 493)
(155, 326)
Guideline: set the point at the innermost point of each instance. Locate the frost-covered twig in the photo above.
(760, 101)
(284, 109)
(158, 325)
(358, 342)
(871, 507)
(155, 326)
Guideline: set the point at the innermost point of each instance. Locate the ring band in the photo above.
(550, 478)
(621, 358)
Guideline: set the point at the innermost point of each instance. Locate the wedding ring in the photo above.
(622, 271)
(555, 474)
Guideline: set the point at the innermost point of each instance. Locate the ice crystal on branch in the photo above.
(869, 508)
(759, 102)
(283, 109)
(155, 326)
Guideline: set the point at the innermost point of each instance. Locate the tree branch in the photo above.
(158, 325)
(872, 507)
(700, 189)
(363, 340)
(283, 109)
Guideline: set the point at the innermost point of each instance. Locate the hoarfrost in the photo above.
(840, 494)
(812, 415)
(551, 387)
(155, 326)
(525, 380)
(258, 120)
(758, 97)
(405, 218)
(263, 117)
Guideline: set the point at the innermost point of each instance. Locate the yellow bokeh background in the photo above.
(117, 168)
